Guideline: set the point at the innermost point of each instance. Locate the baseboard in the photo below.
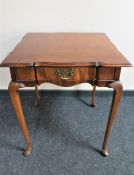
(66, 93)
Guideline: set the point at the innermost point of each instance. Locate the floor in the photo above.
(67, 134)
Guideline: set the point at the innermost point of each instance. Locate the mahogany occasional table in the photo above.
(65, 59)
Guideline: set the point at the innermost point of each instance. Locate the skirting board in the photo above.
(66, 93)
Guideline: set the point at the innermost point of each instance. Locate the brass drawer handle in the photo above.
(65, 74)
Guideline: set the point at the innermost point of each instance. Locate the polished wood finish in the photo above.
(14, 95)
(81, 74)
(53, 49)
(117, 86)
(65, 59)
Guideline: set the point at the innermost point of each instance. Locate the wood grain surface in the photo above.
(65, 49)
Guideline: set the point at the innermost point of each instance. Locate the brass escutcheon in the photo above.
(65, 74)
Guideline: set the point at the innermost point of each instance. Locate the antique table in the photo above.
(65, 59)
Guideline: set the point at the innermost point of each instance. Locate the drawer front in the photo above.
(65, 73)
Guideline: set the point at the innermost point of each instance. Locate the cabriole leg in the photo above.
(15, 99)
(117, 86)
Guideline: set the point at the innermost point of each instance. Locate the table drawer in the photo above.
(65, 73)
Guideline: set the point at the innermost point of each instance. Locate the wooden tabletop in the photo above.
(65, 49)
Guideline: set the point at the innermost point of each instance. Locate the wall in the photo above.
(114, 17)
